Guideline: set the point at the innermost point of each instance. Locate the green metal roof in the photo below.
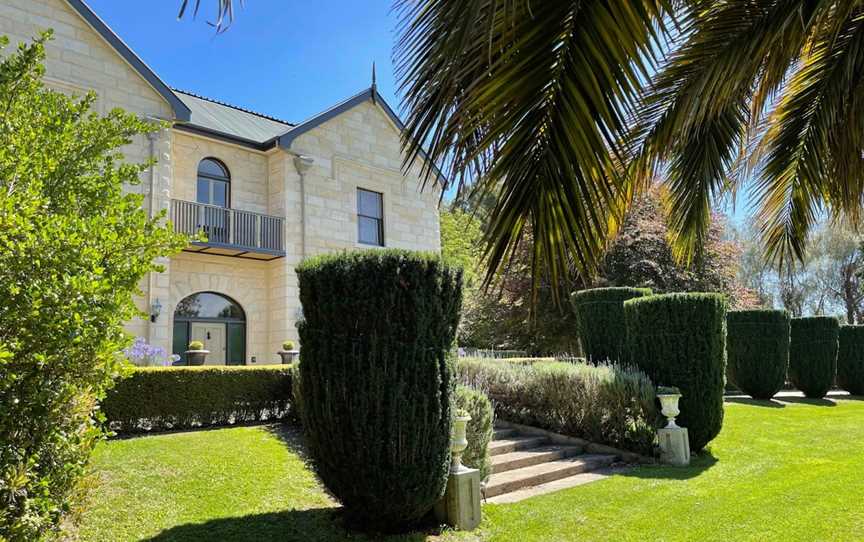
(230, 120)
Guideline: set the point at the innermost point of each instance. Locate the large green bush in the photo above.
(376, 386)
(160, 398)
(757, 345)
(606, 404)
(813, 354)
(680, 340)
(480, 428)
(850, 359)
(74, 246)
(600, 319)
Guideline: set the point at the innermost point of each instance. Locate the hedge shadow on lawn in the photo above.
(808, 401)
(291, 435)
(769, 403)
(698, 464)
(312, 525)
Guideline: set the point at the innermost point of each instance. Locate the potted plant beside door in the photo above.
(196, 355)
(288, 354)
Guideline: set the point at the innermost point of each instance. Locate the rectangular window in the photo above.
(370, 217)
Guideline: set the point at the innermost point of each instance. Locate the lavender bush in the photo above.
(143, 354)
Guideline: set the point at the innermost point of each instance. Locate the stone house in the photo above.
(266, 192)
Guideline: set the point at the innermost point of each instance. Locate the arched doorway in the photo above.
(217, 321)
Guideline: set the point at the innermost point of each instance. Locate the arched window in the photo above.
(214, 183)
(214, 319)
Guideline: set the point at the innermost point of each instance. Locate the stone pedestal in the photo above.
(460, 506)
(674, 446)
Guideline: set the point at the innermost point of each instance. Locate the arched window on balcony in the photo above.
(214, 183)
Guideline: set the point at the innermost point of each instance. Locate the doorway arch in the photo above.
(217, 321)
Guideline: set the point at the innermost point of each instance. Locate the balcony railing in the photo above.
(229, 231)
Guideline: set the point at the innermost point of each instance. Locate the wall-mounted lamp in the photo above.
(155, 309)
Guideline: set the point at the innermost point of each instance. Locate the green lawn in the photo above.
(790, 471)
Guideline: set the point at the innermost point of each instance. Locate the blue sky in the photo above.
(286, 58)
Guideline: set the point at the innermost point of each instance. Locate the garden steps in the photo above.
(515, 443)
(527, 461)
(534, 456)
(509, 481)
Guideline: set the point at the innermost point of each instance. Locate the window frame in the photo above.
(380, 220)
(212, 179)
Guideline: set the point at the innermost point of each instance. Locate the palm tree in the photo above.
(564, 109)
(768, 90)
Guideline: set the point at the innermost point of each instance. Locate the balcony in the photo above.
(230, 232)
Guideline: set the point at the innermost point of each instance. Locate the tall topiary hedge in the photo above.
(680, 340)
(850, 359)
(813, 354)
(376, 385)
(757, 346)
(600, 317)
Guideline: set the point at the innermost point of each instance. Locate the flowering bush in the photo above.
(143, 354)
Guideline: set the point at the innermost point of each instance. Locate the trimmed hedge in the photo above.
(170, 398)
(375, 379)
(480, 429)
(757, 346)
(600, 317)
(606, 404)
(813, 354)
(850, 359)
(680, 340)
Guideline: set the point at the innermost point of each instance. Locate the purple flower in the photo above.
(141, 353)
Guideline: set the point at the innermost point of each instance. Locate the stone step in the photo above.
(513, 444)
(553, 486)
(535, 475)
(504, 432)
(534, 456)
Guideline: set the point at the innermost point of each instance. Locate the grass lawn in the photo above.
(778, 471)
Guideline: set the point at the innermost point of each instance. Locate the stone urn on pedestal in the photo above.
(669, 398)
(459, 440)
(196, 355)
(288, 353)
(460, 506)
(674, 440)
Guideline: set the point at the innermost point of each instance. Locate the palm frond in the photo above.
(224, 12)
(811, 149)
(697, 115)
(531, 98)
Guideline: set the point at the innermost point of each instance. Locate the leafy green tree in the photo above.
(73, 248)
(461, 235)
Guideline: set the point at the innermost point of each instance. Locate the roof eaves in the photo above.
(228, 138)
(181, 112)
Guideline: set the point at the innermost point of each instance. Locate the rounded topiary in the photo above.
(757, 347)
(376, 385)
(850, 359)
(680, 340)
(813, 354)
(600, 317)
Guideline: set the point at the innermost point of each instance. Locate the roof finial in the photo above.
(374, 84)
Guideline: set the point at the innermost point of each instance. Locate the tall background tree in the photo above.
(511, 313)
(827, 282)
